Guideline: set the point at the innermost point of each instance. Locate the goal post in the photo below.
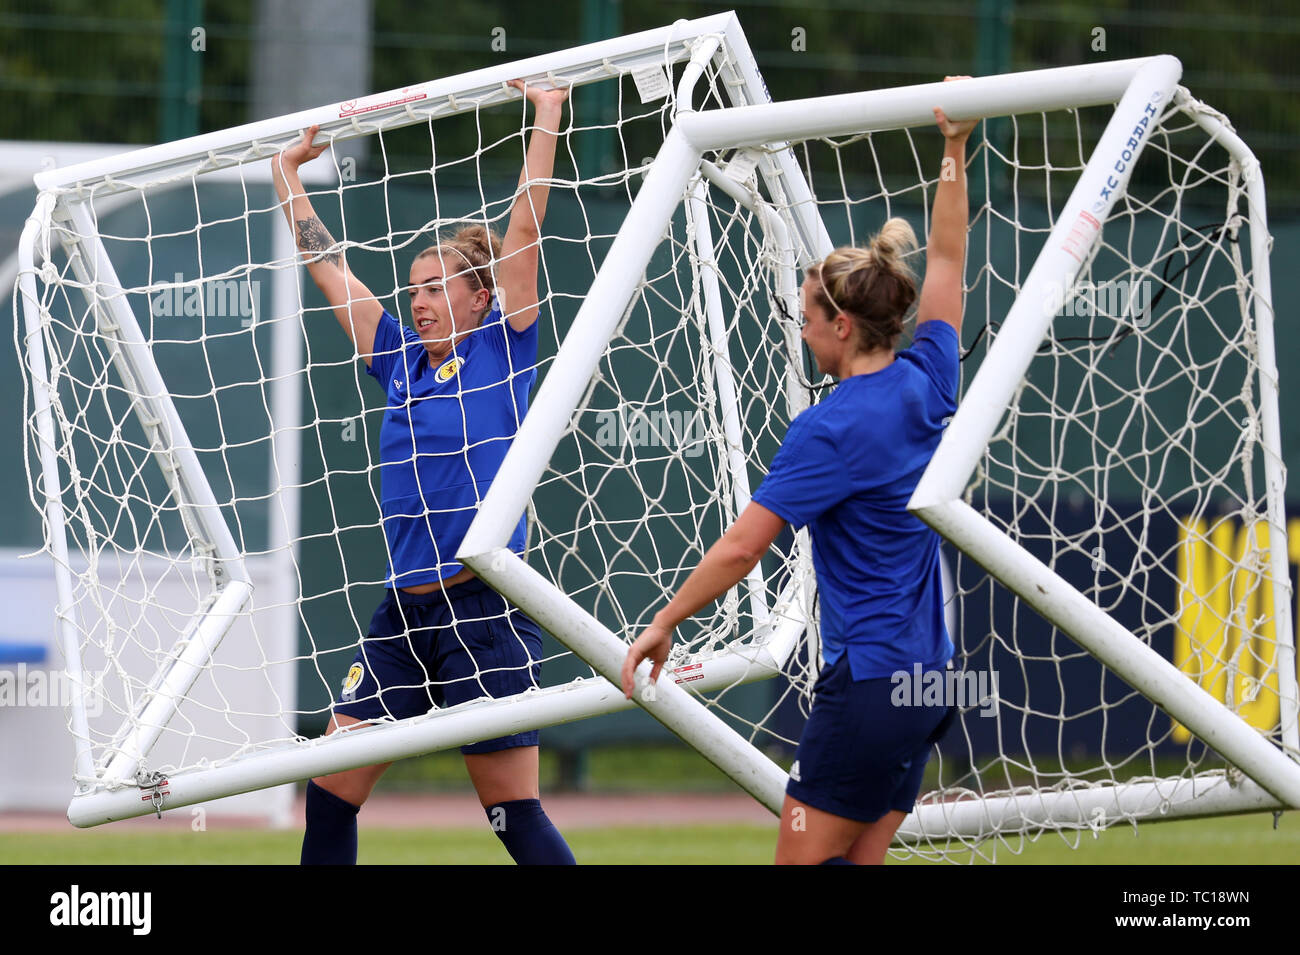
(114, 770)
(272, 574)
(1143, 90)
(1097, 456)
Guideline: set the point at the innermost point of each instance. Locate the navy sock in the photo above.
(836, 860)
(528, 834)
(331, 834)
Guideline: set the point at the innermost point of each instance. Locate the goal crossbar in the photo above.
(652, 49)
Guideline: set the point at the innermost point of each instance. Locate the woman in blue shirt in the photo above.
(457, 386)
(846, 469)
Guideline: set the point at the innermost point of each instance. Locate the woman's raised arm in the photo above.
(945, 254)
(357, 310)
(517, 271)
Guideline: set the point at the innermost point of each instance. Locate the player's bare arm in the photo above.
(517, 273)
(945, 254)
(357, 310)
(312, 236)
(727, 562)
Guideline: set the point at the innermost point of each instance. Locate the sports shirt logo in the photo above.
(353, 680)
(448, 369)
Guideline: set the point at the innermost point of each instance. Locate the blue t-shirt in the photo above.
(847, 468)
(446, 431)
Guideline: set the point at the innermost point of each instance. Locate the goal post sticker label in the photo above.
(742, 165)
(354, 107)
(689, 673)
(1081, 236)
(651, 83)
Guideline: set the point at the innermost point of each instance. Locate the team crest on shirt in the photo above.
(352, 681)
(449, 368)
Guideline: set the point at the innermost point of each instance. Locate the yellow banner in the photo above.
(1226, 638)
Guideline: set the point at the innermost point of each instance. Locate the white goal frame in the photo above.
(123, 789)
(1138, 87)
(20, 163)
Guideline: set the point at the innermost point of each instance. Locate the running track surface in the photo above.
(462, 811)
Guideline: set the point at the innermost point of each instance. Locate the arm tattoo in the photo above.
(314, 237)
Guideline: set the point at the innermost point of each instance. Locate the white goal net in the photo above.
(1134, 456)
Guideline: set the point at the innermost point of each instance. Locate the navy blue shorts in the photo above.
(860, 755)
(440, 649)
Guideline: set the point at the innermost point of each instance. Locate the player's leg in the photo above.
(504, 776)
(811, 836)
(506, 783)
(333, 801)
(817, 818)
(871, 846)
(858, 757)
(352, 785)
(387, 679)
(491, 649)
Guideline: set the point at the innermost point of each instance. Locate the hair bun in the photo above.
(478, 245)
(894, 240)
(487, 242)
(875, 285)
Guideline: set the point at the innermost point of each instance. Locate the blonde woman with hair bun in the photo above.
(846, 470)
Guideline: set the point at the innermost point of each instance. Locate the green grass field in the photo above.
(1243, 840)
